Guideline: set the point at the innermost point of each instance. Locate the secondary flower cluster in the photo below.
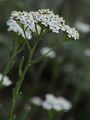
(32, 22)
(51, 53)
(4, 80)
(52, 102)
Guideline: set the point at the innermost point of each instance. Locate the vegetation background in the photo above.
(68, 74)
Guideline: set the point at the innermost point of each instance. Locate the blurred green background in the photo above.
(68, 74)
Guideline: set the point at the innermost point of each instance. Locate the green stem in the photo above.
(50, 115)
(20, 81)
(9, 66)
(18, 86)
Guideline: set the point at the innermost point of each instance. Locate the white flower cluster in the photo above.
(71, 32)
(6, 81)
(48, 19)
(52, 102)
(56, 103)
(20, 21)
(82, 27)
(44, 17)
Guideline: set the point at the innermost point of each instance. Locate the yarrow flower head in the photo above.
(42, 19)
(48, 19)
(52, 102)
(20, 22)
(54, 22)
